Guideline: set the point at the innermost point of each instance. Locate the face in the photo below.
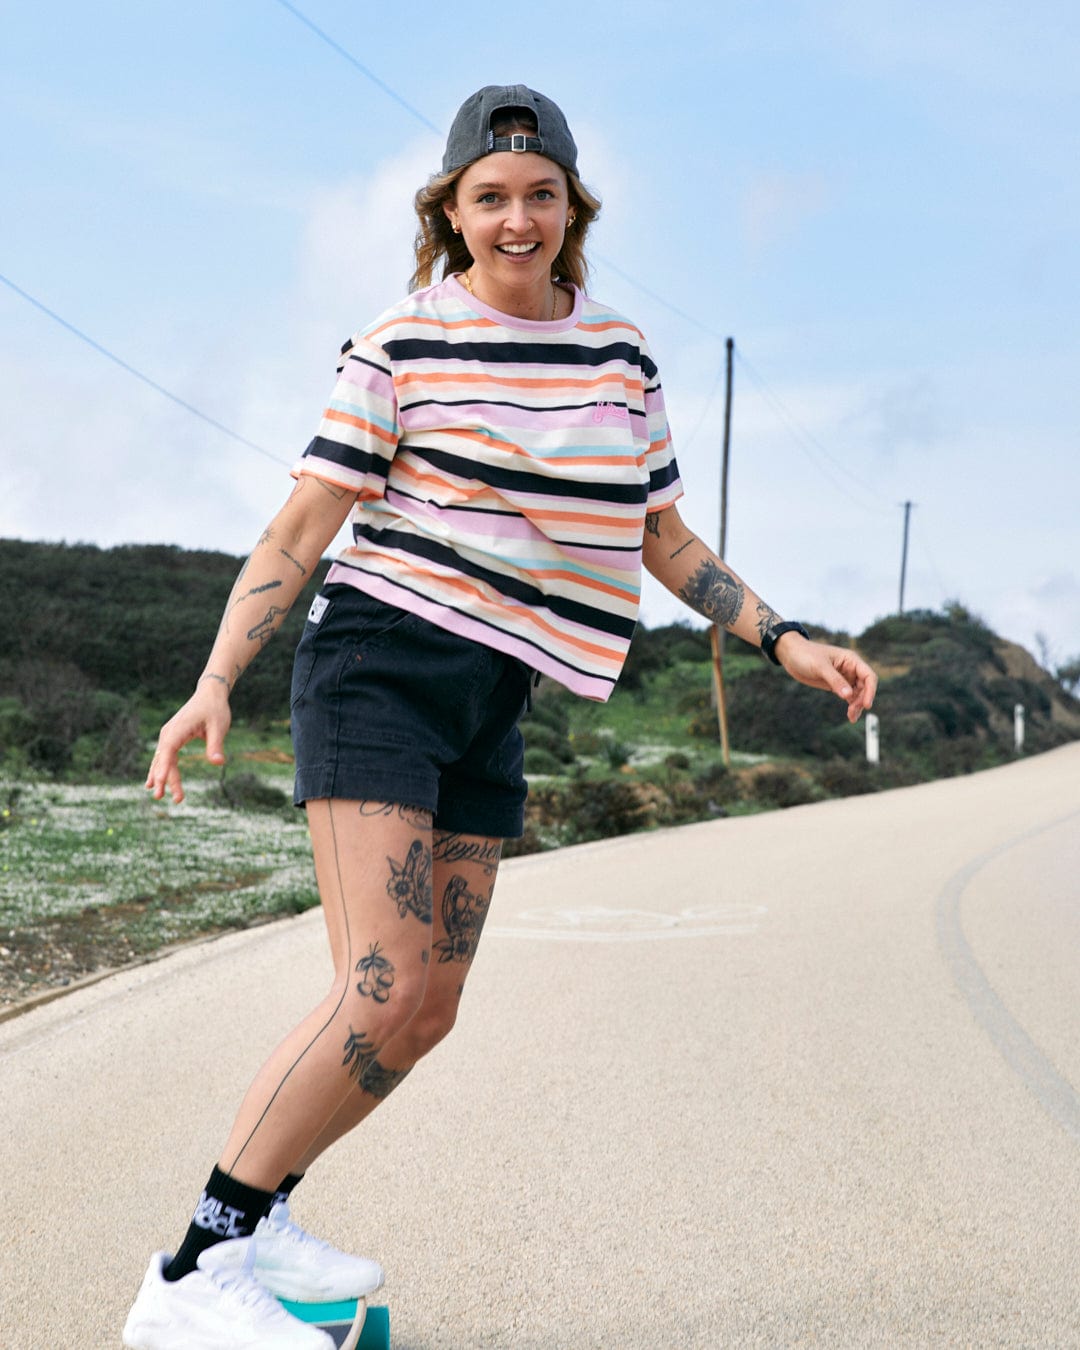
(512, 209)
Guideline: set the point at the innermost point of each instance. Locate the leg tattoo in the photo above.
(410, 882)
(463, 916)
(378, 975)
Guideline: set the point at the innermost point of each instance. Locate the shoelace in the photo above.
(293, 1233)
(242, 1285)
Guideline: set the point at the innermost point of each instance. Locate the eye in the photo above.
(487, 199)
(545, 195)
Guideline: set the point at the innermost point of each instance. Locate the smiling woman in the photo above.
(500, 441)
(438, 209)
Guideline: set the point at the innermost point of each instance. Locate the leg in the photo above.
(464, 868)
(373, 865)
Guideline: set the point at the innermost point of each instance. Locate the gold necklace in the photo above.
(554, 294)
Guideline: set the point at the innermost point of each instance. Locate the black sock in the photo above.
(287, 1187)
(226, 1209)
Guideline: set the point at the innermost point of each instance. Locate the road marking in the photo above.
(1054, 1093)
(601, 923)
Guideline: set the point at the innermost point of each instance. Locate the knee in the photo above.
(432, 1021)
(381, 1013)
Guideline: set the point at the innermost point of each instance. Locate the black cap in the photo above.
(471, 136)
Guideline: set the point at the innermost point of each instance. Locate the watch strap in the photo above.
(772, 635)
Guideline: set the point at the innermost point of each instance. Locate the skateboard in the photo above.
(351, 1323)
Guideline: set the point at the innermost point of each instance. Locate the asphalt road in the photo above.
(805, 1078)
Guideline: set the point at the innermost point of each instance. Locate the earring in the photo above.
(457, 228)
(571, 216)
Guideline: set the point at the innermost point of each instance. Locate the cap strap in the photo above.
(518, 143)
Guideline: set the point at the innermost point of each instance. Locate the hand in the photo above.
(206, 716)
(824, 667)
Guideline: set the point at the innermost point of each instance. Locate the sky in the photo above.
(877, 201)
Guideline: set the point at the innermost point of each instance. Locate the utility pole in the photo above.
(903, 557)
(717, 635)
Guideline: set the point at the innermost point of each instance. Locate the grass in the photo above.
(96, 876)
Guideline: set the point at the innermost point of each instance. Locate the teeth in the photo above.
(517, 248)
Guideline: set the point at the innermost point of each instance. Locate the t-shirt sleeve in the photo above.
(359, 431)
(665, 485)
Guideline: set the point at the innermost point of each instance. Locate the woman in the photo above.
(501, 442)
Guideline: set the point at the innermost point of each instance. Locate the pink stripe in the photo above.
(453, 622)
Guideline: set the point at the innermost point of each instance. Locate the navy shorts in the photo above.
(388, 707)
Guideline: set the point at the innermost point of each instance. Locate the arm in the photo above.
(679, 560)
(269, 582)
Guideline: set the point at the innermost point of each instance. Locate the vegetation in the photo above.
(96, 647)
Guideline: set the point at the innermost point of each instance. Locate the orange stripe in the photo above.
(395, 324)
(432, 478)
(467, 589)
(511, 381)
(332, 415)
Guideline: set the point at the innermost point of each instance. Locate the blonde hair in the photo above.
(435, 237)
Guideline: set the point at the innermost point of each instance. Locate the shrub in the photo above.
(539, 760)
(248, 792)
(781, 785)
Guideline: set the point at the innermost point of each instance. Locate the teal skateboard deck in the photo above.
(351, 1324)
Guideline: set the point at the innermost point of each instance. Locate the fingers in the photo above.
(192, 722)
(835, 669)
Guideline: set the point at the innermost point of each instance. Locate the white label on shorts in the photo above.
(318, 609)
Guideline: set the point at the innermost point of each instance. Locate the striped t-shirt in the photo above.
(503, 470)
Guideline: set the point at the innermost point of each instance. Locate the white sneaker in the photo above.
(294, 1265)
(213, 1310)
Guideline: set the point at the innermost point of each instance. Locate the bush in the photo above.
(248, 792)
(541, 761)
(781, 785)
(848, 778)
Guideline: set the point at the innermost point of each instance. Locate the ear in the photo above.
(451, 215)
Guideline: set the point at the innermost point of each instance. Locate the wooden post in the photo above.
(718, 633)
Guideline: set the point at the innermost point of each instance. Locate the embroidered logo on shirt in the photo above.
(615, 411)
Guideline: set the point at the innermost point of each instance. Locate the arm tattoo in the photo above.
(298, 565)
(680, 549)
(220, 679)
(652, 523)
(766, 617)
(714, 593)
(265, 630)
(338, 493)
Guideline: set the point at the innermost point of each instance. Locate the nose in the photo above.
(517, 217)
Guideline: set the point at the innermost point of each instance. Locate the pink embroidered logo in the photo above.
(615, 410)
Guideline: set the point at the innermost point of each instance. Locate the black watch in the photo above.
(770, 636)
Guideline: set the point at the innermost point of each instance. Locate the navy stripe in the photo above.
(626, 494)
(512, 588)
(570, 355)
(398, 584)
(356, 461)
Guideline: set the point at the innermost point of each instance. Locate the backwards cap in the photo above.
(471, 136)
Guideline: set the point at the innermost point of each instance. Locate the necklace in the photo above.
(554, 293)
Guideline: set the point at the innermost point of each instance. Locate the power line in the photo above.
(803, 437)
(809, 444)
(131, 370)
(367, 74)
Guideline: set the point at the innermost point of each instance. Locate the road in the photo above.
(804, 1078)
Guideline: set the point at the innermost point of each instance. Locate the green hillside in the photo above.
(98, 646)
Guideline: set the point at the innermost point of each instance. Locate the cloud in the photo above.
(907, 412)
(774, 206)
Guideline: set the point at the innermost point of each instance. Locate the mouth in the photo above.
(518, 250)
